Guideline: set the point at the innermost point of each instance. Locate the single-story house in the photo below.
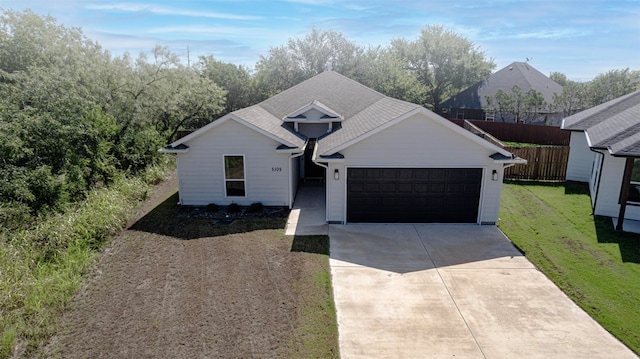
(380, 159)
(471, 103)
(605, 152)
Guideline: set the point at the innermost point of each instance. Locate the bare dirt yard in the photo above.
(175, 287)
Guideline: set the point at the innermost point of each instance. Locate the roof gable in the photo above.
(600, 113)
(363, 112)
(253, 118)
(334, 91)
(430, 118)
(519, 74)
(327, 113)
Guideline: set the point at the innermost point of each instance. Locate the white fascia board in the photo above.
(513, 161)
(315, 106)
(455, 128)
(201, 130)
(372, 132)
(224, 119)
(293, 149)
(263, 132)
(168, 150)
(432, 116)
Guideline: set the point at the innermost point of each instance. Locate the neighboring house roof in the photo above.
(362, 110)
(518, 74)
(613, 125)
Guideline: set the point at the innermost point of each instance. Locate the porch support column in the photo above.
(624, 192)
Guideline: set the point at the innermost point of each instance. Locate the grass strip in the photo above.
(41, 268)
(597, 267)
(316, 336)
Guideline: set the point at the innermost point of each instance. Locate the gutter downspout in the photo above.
(326, 184)
(326, 176)
(595, 200)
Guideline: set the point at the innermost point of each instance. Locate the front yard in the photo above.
(175, 287)
(594, 265)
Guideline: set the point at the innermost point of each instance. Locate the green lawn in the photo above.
(596, 266)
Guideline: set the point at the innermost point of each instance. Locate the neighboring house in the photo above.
(471, 104)
(605, 152)
(380, 159)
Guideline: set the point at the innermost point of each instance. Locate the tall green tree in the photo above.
(517, 106)
(387, 73)
(572, 99)
(443, 62)
(613, 84)
(72, 117)
(236, 80)
(300, 59)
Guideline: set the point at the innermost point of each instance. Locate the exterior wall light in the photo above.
(336, 174)
(494, 175)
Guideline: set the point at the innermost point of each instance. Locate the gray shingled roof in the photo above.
(263, 119)
(337, 92)
(518, 73)
(372, 117)
(362, 108)
(613, 125)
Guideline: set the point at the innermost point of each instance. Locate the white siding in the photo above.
(201, 170)
(609, 190)
(313, 130)
(416, 142)
(580, 158)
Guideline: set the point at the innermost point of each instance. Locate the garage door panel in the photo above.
(405, 173)
(413, 195)
(389, 187)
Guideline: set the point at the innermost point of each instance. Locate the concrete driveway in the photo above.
(444, 291)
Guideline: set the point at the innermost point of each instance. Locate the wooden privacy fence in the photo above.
(545, 163)
(524, 133)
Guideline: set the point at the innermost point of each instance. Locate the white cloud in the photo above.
(160, 10)
(548, 34)
(198, 29)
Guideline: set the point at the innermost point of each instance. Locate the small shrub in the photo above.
(212, 207)
(233, 208)
(255, 207)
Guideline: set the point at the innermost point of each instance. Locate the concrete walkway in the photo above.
(443, 291)
(308, 215)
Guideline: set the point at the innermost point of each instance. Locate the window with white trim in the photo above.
(234, 180)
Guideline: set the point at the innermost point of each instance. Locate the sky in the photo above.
(580, 38)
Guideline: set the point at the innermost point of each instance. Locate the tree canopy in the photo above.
(443, 62)
(72, 116)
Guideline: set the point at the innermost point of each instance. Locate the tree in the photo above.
(236, 80)
(300, 59)
(29, 40)
(611, 85)
(443, 62)
(515, 105)
(72, 117)
(560, 78)
(572, 99)
(387, 74)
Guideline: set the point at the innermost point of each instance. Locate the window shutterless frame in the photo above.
(234, 176)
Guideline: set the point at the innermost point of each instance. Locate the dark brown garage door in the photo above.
(413, 195)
